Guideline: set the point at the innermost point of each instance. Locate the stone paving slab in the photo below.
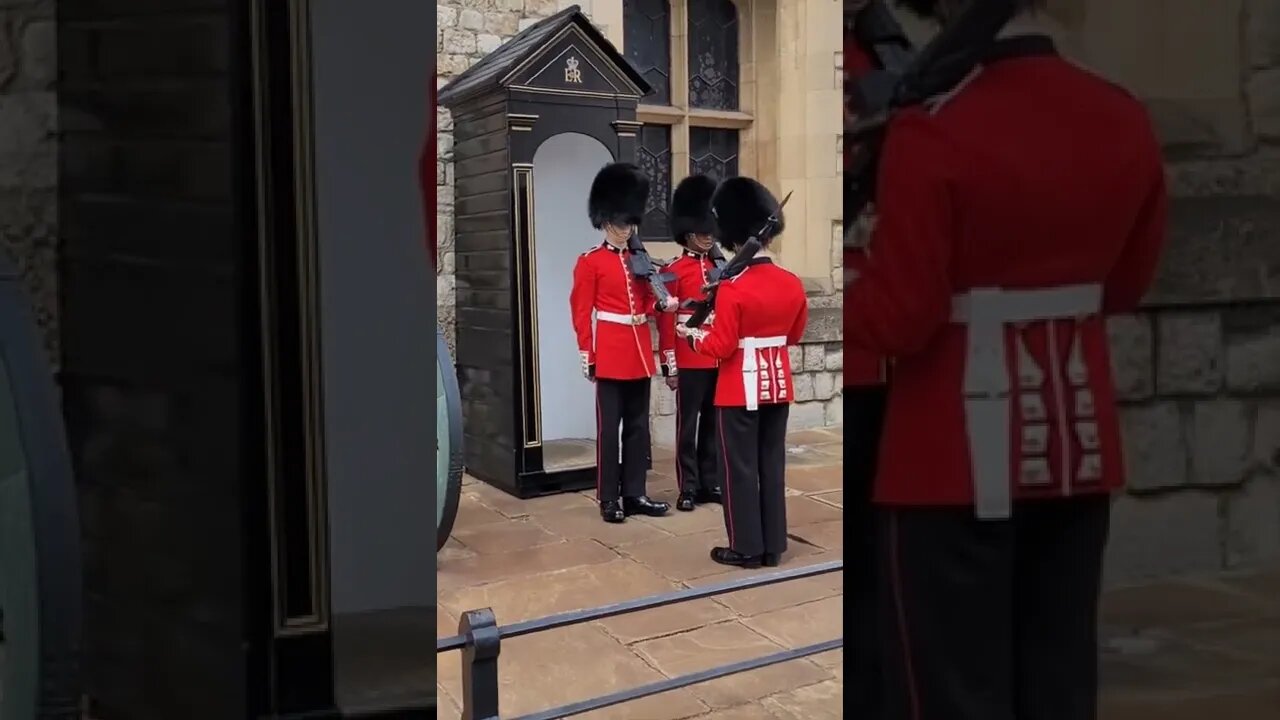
(1183, 648)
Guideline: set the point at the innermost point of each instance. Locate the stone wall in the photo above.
(28, 153)
(469, 29)
(1199, 368)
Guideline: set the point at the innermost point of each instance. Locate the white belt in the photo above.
(620, 318)
(751, 365)
(986, 312)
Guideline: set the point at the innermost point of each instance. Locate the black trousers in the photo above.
(753, 448)
(992, 620)
(864, 418)
(697, 448)
(625, 404)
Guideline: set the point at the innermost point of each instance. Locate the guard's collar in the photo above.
(611, 247)
(1033, 44)
(760, 260)
(690, 252)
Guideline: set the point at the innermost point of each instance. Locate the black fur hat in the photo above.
(691, 208)
(618, 195)
(741, 206)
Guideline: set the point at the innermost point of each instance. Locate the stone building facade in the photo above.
(788, 136)
(1199, 367)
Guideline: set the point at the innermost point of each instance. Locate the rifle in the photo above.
(915, 79)
(702, 308)
(646, 268)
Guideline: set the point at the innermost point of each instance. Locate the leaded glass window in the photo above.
(653, 156)
(646, 31)
(713, 152)
(713, 54)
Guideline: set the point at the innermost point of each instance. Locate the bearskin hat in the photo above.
(741, 206)
(618, 195)
(691, 208)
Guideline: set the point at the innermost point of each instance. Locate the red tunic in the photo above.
(691, 270)
(758, 314)
(860, 366)
(1036, 176)
(621, 348)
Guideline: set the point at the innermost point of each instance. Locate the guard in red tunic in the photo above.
(1013, 215)
(617, 354)
(692, 375)
(759, 313)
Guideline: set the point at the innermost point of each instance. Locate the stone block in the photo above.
(814, 357)
(1253, 350)
(28, 153)
(446, 17)
(796, 355)
(541, 8)
(1164, 535)
(8, 58)
(39, 49)
(1220, 249)
(835, 357)
(825, 325)
(825, 385)
(835, 411)
(1263, 92)
(502, 24)
(1255, 175)
(1266, 437)
(803, 387)
(1220, 442)
(1253, 522)
(470, 19)
(487, 43)
(1155, 444)
(459, 42)
(1132, 355)
(807, 416)
(1189, 353)
(1262, 32)
(1202, 127)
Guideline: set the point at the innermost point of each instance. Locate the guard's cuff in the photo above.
(695, 336)
(588, 364)
(669, 368)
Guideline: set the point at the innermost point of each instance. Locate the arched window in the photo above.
(691, 52)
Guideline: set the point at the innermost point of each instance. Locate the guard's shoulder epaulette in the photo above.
(590, 250)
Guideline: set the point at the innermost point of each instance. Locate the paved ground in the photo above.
(1175, 650)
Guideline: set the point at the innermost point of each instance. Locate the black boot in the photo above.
(686, 502)
(644, 506)
(729, 556)
(771, 559)
(710, 496)
(611, 512)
